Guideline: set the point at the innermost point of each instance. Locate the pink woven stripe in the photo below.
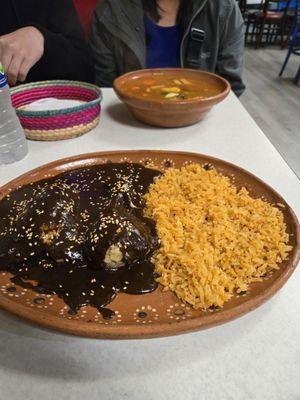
(60, 92)
(61, 122)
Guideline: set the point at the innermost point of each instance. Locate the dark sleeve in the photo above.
(101, 45)
(66, 55)
(230, 62)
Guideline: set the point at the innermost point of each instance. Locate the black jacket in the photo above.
(66, 55)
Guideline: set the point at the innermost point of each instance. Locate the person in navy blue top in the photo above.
(163, 45)
(134, 34)
(164, 31)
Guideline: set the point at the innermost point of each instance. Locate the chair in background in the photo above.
(297, 77)
(85, 9)
(268, 23)
(294, 44)
(243, 6)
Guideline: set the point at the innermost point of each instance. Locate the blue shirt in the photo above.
(163, 45)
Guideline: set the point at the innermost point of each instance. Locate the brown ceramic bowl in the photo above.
(166, 113)
(158, 313)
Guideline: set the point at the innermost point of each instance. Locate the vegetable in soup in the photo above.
(173, 88)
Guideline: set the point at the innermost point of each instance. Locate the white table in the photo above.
(254, 357)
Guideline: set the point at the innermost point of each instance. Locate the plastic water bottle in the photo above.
(13, 144)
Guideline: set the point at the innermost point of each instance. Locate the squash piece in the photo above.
(174, 89)
(156, 87)
(171, 95)
(185, 81)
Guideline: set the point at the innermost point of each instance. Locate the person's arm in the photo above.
(101, 46)
(230, 62)
(65, 53)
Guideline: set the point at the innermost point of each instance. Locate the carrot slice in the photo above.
(149, 82)
(135, 88)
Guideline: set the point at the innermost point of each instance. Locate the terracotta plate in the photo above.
(159, 313)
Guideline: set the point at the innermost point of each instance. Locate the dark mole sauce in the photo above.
(81, 235)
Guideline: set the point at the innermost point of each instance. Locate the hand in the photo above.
(20, 51)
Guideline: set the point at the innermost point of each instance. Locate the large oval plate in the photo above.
(159, 313)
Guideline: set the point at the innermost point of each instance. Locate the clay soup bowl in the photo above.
(165, 112)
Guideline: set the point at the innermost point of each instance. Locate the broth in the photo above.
(170, 87)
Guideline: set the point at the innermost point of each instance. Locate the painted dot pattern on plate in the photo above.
(143, 310)
(142, 315)
(146, 314)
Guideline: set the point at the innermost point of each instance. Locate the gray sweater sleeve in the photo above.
(101, 45)
(231, 54)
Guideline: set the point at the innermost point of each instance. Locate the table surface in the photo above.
(254, 357)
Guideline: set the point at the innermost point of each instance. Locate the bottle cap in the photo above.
(3, 80)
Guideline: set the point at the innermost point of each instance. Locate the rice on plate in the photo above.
(214, 238)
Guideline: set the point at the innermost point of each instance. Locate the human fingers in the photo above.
(25, 67)
(1, 47)
(6, 58)
(14, 68)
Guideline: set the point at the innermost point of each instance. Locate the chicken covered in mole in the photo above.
(81, 235)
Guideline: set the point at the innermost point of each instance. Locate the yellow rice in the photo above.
(215, 239)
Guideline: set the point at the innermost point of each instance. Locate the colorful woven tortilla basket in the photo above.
(60, 124)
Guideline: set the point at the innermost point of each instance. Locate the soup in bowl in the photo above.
(170, 97)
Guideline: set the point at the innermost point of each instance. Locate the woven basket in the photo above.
(58, 124)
